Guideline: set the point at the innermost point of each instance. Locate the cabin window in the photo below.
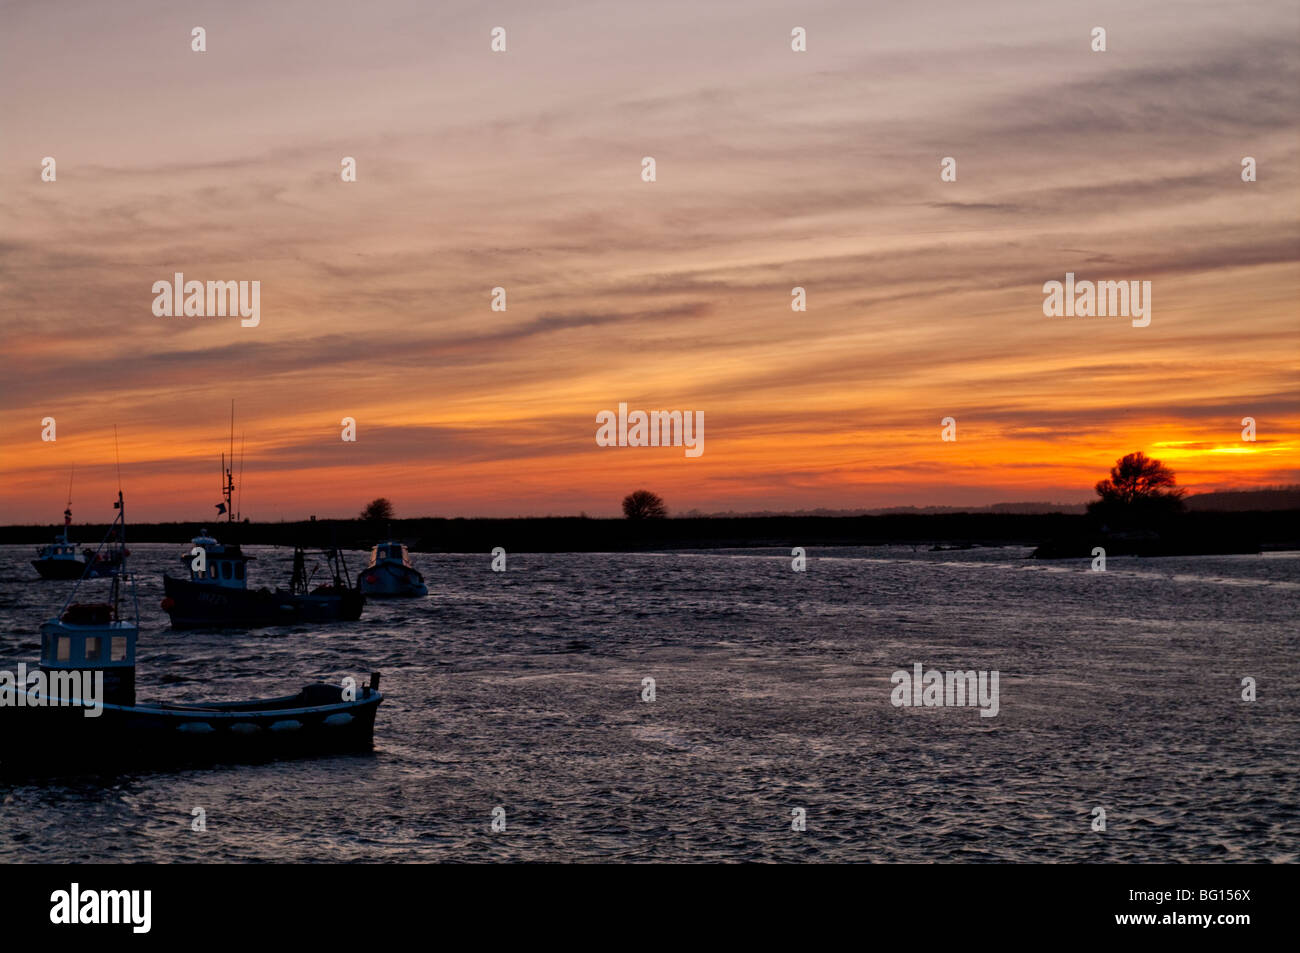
(212, 570)
(65, 649)
(239, 570)
(119, 648)
(226, 571)
(94, 646)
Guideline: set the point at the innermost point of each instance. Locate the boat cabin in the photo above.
(390, 551)
(218, 566)
(60, 549)
(87, 638)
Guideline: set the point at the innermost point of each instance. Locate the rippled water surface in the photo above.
(522, 690)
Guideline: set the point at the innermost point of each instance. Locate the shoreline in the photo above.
(1056, 535)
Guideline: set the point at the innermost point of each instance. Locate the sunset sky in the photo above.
(523, 170)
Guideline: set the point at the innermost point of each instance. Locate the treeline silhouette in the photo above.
(1065, 534)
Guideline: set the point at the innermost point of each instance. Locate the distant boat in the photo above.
(60, 559)
(94, 641)
(390, 573)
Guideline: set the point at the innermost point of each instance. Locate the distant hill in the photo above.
(1220, 501)
(1033, 508)
(1240, 501)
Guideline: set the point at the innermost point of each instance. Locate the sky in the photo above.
(522, 169)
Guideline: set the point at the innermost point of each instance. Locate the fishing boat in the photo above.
(216, 593)
(335, 600)
(61, 560)
(78, 712)
(390, 573)
(213, 592)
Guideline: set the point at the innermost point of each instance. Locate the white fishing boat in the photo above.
(390, 573)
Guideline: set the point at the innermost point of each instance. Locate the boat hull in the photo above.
(193, 605)
(391, 582)
(329, 607)
(64, 740)
(60, 568)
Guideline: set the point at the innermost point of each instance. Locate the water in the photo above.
(522, 690)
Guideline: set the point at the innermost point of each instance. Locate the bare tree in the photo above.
(644, 505)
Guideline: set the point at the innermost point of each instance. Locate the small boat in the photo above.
(214, 591)
(334, 601)
(60, 559)
(390, 573)
(81, 712)
(216, 594)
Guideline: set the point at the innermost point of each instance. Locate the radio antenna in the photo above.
(240, 497)
(228, 470)
(117, 456)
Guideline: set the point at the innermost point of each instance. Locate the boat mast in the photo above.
(122, 576)
(228, 470)
(228, 487)
(67, 512)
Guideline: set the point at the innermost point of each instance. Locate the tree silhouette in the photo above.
(380, 509)
(644, 505)
(1139, 487)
